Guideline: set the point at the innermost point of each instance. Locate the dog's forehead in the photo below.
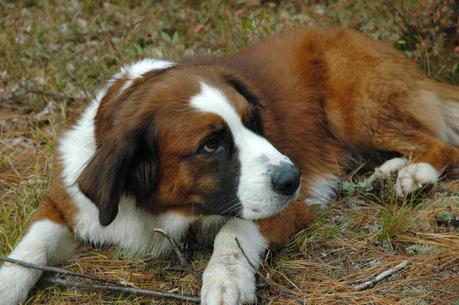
(206, 90)
(213, 100)
(208, 109)
(190, 102)
(227, 105)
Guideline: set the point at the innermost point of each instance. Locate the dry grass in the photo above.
(70, 47)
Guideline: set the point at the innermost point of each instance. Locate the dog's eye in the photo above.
(212, 145)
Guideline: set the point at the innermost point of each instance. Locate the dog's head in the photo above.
(186, 138)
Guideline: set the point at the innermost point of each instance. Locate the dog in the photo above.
(246, 142)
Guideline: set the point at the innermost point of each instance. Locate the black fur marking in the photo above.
(224, 167)
(255, 121)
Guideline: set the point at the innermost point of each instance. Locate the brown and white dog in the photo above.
(222, 141)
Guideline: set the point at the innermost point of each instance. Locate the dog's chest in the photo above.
(132, 229)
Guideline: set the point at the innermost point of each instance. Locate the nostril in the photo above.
(285, 179)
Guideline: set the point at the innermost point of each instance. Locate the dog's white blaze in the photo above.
(256, 155)
(45, 242)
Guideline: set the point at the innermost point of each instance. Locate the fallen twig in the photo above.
(266, 282)
(24, 90)
(55, 270)
(119, 288)
(186, 265)
(371, 283)
(245, 255)
(106, 284)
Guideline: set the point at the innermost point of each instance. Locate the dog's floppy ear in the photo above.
(124, 163)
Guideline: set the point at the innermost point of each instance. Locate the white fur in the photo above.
(45, 242)
(410, 177)
(256, 156)
(414, 176)
(450, 111)
(321, 190)
(443, 115)
(132, 229)
(209, 227)
(229, 278)
(138, 68)
(388, 168)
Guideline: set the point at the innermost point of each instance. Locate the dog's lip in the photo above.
(296, 194)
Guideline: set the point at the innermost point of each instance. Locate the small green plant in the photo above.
(174, 39)
(445, 217)
(356, 188)
(418, 249)
(394, 221)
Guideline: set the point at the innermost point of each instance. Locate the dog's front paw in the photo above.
(228, 281)
(388, 168)
(15, 283)
(414, 176)
(410, 176)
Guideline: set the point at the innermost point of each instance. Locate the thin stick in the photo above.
(266, 282)
(245, 255)
(183, 261)
(118, 288)
(29, 90)
(52, 94)
(108, 285)
(55, 270)
(371, 283)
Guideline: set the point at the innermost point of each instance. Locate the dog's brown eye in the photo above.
(212, 145)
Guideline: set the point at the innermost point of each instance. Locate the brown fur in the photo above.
(325, 93)
(328, 91)
(57, 205)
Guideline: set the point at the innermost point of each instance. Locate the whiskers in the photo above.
(231, 208)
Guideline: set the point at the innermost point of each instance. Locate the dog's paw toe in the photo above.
(414, 176)
(388, 168)
(223, 286)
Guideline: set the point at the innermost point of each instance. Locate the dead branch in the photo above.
(105, 286)
(24, 90)
(119, 288)
(55, 270)
(371, 283)
(266, 282)
(185, 264)
(245, 255)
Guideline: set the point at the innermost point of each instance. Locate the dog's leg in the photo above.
(47, 241)
(431, 158)
(229, 277)
(279, 229)
(426, 157)
(422, 124)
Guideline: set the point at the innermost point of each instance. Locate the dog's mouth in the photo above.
(270, 209)
(246, 209)
(230, 208)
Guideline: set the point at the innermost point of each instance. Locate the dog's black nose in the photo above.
(285, 178)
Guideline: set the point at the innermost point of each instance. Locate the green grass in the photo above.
(71, 47)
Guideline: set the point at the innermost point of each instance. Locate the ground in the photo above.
(54, 54)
